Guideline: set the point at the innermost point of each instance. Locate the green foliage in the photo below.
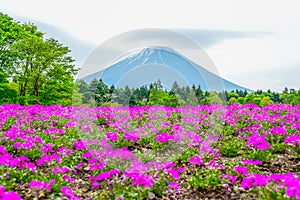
(77, 96)
(262, 155)
(10, 31)
(188, 153)
(268, 193)
(41, 68)
(231, 147)
(206, 178)
(160, 97)
(215, 98)
(7, 94)
(232, 100)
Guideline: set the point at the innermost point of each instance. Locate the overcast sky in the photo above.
(255, 44)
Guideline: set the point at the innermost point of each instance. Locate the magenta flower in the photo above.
(252, 162)
(168, 164)
(95, 185)
(48, 158)
(63, 151)
(47, 148)
(231, 178)
(113, 136)
(140, 179)
(105, 144)
(163, 137)
(293, 139)
(258, 142)
(254, 180)
(60, 170)
(241, 170)
(80, 145)
(174, 185)
(39, 185)
(92, 160)
(132, 135)
(8, 195)
(217, 155)
(48, 186)
(3, 150)
(68, 178)
(175, 173)
(66, 191)
(247, 182)
(212, 163)
(36, 184)
(261, 180)
(31, 166)
(196, 160)
(278, 130)
(102, 176)
(79, 166)
(97, 166)
(114, 172)
(105, 175)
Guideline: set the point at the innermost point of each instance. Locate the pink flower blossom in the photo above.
(241, 170)
(113, 136)
(174, 185)
(258, 142)
(39, 185)
(196, 160)
(132, 135)
(66, 191)
(163, 137)
(8, 195)
(97, 166)
(79, 145)
(252, 162)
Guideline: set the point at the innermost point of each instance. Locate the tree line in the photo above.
(97, 93)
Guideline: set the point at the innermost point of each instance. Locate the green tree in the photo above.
(266, 100)
(215, 99)
(133, 101)
(102, 93)
(233, 100)
(249, 98)
(175, 87)
(257, 100)
(233, 94)
(7, 94)
(41, 68)
(85, 90)
(160, 97)
(241, 100)
(199, 93)
(286, 97)
(10, 32)
(77, 96)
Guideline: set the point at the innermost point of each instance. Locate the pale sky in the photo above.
(255, 44)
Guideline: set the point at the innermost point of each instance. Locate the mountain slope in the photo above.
(153, 63)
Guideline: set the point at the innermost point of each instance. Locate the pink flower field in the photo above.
(150, 152)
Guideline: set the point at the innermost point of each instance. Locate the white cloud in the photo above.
(237, 59)
(96, 21)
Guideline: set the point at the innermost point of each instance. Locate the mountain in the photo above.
(155, 62)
